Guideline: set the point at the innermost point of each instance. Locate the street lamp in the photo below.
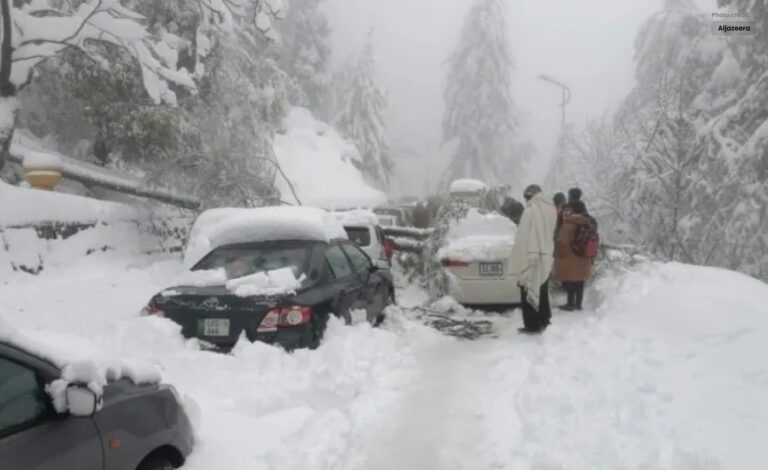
(566, 93)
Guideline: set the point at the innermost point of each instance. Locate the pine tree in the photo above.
(304, 53)
(480, 116)
(361, 118)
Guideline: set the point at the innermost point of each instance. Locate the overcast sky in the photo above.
(588, 44)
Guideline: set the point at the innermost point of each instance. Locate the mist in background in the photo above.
(589, 45)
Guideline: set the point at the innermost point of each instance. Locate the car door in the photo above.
(32, 434)
(345, 284)
(372, 296)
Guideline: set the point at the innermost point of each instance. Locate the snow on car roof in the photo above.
(78, 369)
(467, 186)
(479, 237)
(357, 218)
(226, 226)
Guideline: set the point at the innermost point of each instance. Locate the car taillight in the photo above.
(152, 309)
(285, 317)
(454, 263)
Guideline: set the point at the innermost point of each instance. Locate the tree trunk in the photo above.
(9, 105)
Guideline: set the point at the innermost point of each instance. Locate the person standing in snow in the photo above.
(571, 269)
(574, 195)
(531, 260)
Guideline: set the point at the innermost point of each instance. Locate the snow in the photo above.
(357, 218)
(19, 206)
(41, 161)
(319, 164)
(663, 369)
(466, 186)
(224, 226)
(479, 237)
(275, 282)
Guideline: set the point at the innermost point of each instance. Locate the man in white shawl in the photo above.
(532, 258)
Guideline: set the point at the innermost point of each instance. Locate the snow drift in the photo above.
(320, 165)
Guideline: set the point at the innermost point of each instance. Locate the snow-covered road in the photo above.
(667, 372)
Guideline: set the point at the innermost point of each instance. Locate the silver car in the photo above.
(129, 427)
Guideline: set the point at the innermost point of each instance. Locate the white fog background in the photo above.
(587, 44)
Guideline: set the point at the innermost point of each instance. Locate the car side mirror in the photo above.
(82, 401)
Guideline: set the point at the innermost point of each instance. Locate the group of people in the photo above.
(557, 236)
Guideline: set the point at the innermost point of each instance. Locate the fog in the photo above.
(589, 45)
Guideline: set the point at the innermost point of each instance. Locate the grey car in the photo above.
(137, 427)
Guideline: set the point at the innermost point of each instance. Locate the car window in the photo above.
(22, 399)
(360, 260)
(239, 261)
(338, 263)
(360, 236)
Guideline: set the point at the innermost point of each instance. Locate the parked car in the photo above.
(277, 277)
(387, 220)
(475, 258)
(394, 212)
(128, 427)
(363, 230)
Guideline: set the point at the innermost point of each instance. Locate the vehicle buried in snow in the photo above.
(363, 230)
(273, 275)
(58, 415)
(476, 258)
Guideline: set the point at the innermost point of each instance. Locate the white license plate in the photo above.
(213, 327)
(492, 269)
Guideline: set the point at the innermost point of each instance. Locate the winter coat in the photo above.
(531, 259)
(570, 267)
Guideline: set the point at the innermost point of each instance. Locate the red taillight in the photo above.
(152, 309)
(454, 263)
(285, 317)
(389, 248)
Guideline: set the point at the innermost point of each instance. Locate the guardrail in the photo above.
(407, 239)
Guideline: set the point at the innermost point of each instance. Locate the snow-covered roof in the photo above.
(74, 369)
(479, 237)
(357, 218)
(225, 226)
(467, 186)
(320, 165)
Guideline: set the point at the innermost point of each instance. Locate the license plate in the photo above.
(213, 327)
(491, 269)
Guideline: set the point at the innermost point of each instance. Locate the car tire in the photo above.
(156, 464)
(389, 300)
(319, 322)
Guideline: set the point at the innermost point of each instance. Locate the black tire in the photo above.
(389, 300)
(156, 464)
(319, 322)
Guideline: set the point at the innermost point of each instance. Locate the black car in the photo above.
(337, 279)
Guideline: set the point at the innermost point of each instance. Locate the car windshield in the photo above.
(242, 260)
(361, 236)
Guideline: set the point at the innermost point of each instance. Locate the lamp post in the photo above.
(566, 93)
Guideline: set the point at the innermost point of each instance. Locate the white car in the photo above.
(363, 229)
(476, 258)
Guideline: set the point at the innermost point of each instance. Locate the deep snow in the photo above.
(667, 371)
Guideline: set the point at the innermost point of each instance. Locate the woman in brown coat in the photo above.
(570, 269)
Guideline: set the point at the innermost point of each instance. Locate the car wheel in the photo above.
(319, 322)
(388, 299)
(156, 464)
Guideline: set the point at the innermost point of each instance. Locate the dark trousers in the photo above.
(533, 319)
(575, 291)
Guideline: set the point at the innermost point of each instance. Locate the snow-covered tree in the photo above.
(480, 116)
(304, 53)
(738, 133)
(361, 118)
(33, 32)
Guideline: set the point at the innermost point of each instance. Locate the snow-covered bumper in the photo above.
(496, 291)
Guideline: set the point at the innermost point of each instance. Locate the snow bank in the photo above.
(218, 227)
(479, 237)
(467, 186)
(320, 165)
(275, 282)
(20, 206)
